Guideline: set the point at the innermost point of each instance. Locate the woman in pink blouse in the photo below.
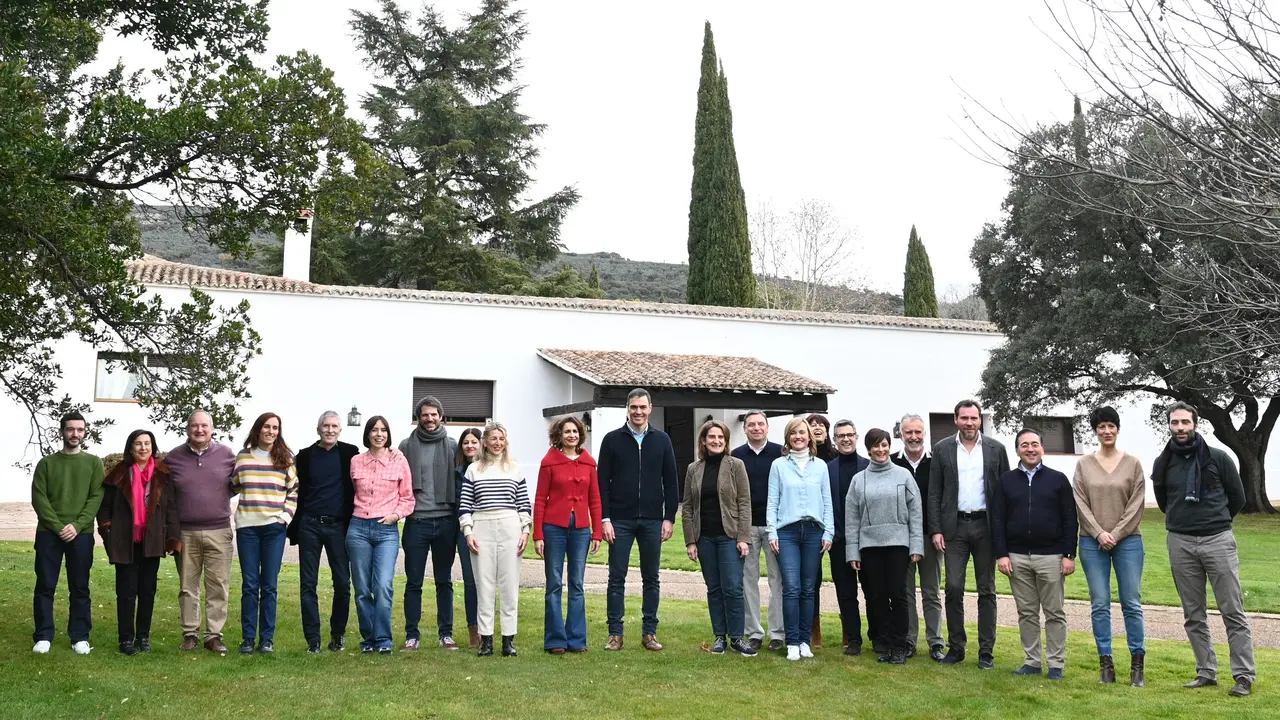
(384, 494)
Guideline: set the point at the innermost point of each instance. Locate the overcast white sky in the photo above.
(859, 104)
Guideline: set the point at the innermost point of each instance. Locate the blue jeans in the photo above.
(1127, 558)
(648, 533)
(373, 548)
(261, 550)
(51, 551)
(468, 580)
(722, 571)
(800, 560)
(560, 630)
(439, 538)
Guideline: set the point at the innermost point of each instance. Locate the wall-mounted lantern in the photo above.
(353, 417)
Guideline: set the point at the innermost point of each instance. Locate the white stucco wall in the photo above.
(378, 346)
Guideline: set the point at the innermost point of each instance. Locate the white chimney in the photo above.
(297, 247)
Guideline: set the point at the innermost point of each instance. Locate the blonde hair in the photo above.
(702, 436)
(794, 424)
(488, 459)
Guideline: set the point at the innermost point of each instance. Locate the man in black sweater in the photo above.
(840, 472)
(639, 496)
(914, 456)
(758, 454)
(1034, 529)
(326, 500)
(1198, 489)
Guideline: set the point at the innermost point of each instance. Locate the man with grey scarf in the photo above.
(433, 526)
(1198, 489)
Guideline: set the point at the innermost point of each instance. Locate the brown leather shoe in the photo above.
(556, 651)
(777, 645)
(214, 644)
(473, 637)
(190, 642)
(614, 644)
(650, 642)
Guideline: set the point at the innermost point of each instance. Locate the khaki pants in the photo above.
(207, 554)
(930, 571)
(759, 542)
(497, 568)
(1038, 585)
(1193, 560)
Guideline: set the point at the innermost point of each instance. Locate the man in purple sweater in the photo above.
(202, 478)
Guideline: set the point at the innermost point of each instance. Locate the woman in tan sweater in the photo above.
(1110, 490)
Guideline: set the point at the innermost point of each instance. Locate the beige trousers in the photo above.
(1038, 585)
(207, 554)
(497, 568)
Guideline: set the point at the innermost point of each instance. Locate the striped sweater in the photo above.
(494, 488)
(267, 495)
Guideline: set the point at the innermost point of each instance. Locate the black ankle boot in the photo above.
(486, 646)
(1137, 671)
(1106, 669)
(508, 646)
(143, 643)
(127, 648)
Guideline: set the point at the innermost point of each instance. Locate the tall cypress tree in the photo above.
(719, 245)
(918, 296)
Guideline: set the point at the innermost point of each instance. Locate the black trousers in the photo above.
(313, 537)
(972, 540)
(884, 579)
(50, 552)
(136, 593)
(845, 578)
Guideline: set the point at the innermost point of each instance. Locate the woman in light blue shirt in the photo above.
(801, 526)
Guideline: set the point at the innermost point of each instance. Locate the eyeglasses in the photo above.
(846, 436)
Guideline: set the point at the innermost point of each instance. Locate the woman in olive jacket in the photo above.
(138, 521)
(716, 515)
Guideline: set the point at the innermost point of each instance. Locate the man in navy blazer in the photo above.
(841, 471)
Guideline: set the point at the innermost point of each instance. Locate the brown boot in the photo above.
(473, 635)
(1106, 669)
(815, 633)
(1137, 670)
(650, 642)
(614, 644)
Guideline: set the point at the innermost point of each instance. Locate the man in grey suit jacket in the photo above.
(962, 477)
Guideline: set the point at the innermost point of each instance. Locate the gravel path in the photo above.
(17, 522)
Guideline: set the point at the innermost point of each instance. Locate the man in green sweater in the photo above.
(65, 493)
(1199, 490)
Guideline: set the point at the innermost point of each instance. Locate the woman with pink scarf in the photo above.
(138, 522)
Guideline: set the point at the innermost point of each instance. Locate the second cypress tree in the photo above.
(719, 244)
(918, 296)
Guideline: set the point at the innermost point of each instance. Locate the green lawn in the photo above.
(1258, 538)
(680, 682)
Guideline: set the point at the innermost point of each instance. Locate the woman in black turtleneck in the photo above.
(716, 515)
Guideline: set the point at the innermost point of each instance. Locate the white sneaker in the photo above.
(81, 648)
(41, 647)
(793, 652)
(805, 651)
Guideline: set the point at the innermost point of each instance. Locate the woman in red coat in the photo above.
(138, 521)
(566, 521)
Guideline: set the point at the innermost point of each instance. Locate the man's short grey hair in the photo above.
(910, 417)
(845, 423)
(200, 412)
(638, 393)
(326, 415)
(747, 415)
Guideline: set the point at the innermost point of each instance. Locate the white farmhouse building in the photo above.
(524, 360)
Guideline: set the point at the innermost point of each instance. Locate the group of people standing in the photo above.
(889, 521)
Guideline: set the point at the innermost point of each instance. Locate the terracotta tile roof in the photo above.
(661, 370)
(153, 271)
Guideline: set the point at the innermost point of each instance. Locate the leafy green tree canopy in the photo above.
(918, 294)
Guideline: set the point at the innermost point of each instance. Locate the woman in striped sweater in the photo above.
(495, 516)
(268, 487)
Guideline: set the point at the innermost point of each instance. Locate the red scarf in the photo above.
(141, 479)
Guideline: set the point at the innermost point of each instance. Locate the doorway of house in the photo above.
(679, 425)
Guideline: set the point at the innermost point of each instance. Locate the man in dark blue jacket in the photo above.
(639, 496)
(841, 471)
(1034, 530)
(326, 500)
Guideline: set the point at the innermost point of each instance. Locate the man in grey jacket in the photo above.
(962, 477)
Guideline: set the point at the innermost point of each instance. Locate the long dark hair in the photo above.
(368, 428)
(128, 445)
(281, 455)
(461, 460)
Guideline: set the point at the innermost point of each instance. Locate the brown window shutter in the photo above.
(463, 400)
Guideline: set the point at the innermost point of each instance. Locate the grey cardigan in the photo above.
(883, 509)
(734, 490)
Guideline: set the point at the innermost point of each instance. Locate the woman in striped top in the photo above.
(383, 495)
(268, 487)
(496, 518)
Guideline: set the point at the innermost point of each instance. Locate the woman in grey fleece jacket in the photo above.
(884, 533)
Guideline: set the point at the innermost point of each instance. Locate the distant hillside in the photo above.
(620, 278)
